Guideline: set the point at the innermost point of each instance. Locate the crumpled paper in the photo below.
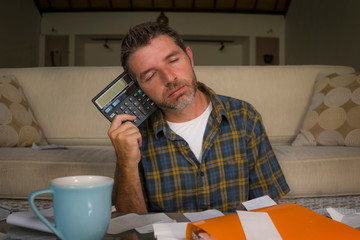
(344, 215)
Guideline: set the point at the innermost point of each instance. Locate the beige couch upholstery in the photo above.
(61, 101)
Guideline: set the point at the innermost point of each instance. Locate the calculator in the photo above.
(124, 96)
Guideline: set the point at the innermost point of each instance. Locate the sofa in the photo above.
(59, 99)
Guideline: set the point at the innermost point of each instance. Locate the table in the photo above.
(15, 232)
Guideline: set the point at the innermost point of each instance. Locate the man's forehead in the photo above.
(160, 47)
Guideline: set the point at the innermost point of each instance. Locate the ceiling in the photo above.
(277, 7)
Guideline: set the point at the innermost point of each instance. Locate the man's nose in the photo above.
(168, 76)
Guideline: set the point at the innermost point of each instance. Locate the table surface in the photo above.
(15, 232)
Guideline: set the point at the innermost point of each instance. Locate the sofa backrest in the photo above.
(280, 93)
(61, 97)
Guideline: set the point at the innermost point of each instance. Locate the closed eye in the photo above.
(173, 60)
(149, 76)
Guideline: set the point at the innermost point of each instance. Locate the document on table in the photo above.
(159, 223)
(260, 202)
(170, 231)
(177, 231)
(345, 215)
(30, 220)
(130, 221)
(253, 221)
(197, 216)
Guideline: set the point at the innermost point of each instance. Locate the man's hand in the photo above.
(126, 139)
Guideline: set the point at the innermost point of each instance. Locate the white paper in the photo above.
(352, 220)
(170, 231)
(30, 220)
(344, 215)
(335, 215)
(260, 202)
(258, 226)
(3, 236)
(47, 147)
(132, 220)
(197, 216)
(150, 228)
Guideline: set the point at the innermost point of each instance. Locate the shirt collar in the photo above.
(218, 112)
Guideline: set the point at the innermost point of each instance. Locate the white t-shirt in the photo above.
(193, 131)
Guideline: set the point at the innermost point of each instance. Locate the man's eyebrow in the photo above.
(173, 53)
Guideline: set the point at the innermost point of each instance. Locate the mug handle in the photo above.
(31, 200)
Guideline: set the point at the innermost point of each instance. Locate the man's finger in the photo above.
(119, 119)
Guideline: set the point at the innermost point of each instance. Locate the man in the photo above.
(199, 150)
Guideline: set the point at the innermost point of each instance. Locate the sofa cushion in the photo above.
(333, 117)
(18, 126)
(317, 171)
(24, 170)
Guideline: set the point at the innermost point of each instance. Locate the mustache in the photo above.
(171, 86)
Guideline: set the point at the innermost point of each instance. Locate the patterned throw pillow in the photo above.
(18, 126)
(333, 117)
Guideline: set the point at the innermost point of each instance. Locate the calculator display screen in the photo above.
(111, 92)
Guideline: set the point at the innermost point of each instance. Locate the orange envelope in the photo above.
(292, 222)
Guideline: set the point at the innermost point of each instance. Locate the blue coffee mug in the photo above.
(82, 206)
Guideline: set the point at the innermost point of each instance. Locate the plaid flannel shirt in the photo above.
(237, 163)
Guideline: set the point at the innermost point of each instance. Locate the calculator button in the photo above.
(142, 110)
(108, 109)
(136, 104)
(112, 115)
(116, 102)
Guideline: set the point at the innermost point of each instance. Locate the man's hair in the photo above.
(141, 35)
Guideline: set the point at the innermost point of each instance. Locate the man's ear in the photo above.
(189, 53)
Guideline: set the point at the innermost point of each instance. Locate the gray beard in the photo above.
(179, 105)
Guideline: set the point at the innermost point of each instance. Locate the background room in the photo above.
(88, 33)
(295, 61)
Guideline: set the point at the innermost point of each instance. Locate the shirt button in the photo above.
(184, 144)
(202, 173)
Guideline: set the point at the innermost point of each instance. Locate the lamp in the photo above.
(222, 46)
(162, 19)
(268, 58)
(106, 44)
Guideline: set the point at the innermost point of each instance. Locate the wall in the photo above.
(242, 27)
(19, 33)
(93, 52)
(323, 32)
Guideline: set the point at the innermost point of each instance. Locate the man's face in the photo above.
(164, 71)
